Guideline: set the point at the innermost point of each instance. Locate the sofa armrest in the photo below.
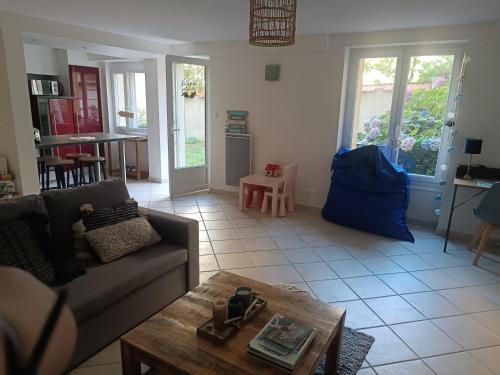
(183, 232)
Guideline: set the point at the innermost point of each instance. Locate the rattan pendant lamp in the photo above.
(272, 22)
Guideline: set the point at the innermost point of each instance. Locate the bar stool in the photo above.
(40, 162)
(93, 163)
(60, 169)
(79, 165)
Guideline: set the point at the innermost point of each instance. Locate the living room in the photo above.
(419, 81)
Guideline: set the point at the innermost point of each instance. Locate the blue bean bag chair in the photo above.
(369, 193)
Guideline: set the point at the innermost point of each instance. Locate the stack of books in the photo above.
(236, 122)
(282, 342)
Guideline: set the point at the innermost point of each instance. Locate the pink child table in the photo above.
(259, 179)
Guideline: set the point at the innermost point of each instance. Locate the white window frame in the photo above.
(404, 54)
(125, 68)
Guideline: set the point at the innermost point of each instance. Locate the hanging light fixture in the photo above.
(272, 22)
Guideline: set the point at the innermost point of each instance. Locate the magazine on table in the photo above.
(282, 341)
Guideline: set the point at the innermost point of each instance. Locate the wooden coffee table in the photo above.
(168, 343)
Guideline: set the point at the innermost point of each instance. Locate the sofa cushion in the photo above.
(63, 206)
(107, 283)
(20, 248)
(13, 209)
(117, 240)
(94, 218)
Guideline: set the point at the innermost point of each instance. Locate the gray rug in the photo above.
(354, 348)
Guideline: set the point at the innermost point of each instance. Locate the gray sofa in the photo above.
(112, 298)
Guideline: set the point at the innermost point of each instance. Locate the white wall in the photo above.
(40, 59)
(297, 118)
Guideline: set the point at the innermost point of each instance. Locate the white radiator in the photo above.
(238, 157)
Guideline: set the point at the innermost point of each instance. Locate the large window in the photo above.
(130, 101)
(399, 100)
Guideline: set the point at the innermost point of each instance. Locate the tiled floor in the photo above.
(431, 313)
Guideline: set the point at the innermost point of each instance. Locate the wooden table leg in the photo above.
(137, 160)
(333, 352)
(110, 160)
(130, 365)
(121, 156)
(274, 203)
(241, 202)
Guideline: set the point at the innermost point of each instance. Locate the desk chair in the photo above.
(489, 212)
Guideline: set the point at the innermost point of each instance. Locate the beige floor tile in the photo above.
(467, 331)
(442, 260)
(317, 240)
(358, 315)
(110, 354)
(236, 214)
(437, 279)
(186, 210)
(315, 271)
(366, 371)
(223, 234)
(270, 222)
(306, 255)
(394, 310)
(404, 368)
(196, 217)
(387, 348)
(492, 292)
(219, 224)
(425, 339)
(468, 300)
(280, 231)
(292, 242)
(268, 257)
(362, 251)
(432, 304)
(330, 253)
(349, 268)
(457, 364)
(214, 216)
(277, 274)
(305, 229)
(228, 246)
(246, 223)
(235, 260)
(369, 287)
(203, 236)
(489, 319)
(392, 248)
(472, 275)
(250, 273)
(206, 248)
(403, 283)
(210, 208)
(381, 265)
(332, 290)
(256, 244)
(411, 262)
(490, 357)
(208, 263)
(251, 232)
(427, 245)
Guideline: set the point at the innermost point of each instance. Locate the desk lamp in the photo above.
(472, 147)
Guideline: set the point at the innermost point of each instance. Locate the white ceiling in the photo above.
(223, 20)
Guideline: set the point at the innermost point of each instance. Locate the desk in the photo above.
(262, 180)
(96, 138)
(481, 184)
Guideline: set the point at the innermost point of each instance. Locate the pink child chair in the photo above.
(286, 194)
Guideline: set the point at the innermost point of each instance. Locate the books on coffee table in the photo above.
(282, 341)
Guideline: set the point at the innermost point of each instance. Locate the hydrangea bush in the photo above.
(422, 126)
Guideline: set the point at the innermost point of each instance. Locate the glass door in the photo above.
(187, 88)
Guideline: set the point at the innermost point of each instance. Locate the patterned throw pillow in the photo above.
(94, 218)
(19, 247)
(114, 241)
